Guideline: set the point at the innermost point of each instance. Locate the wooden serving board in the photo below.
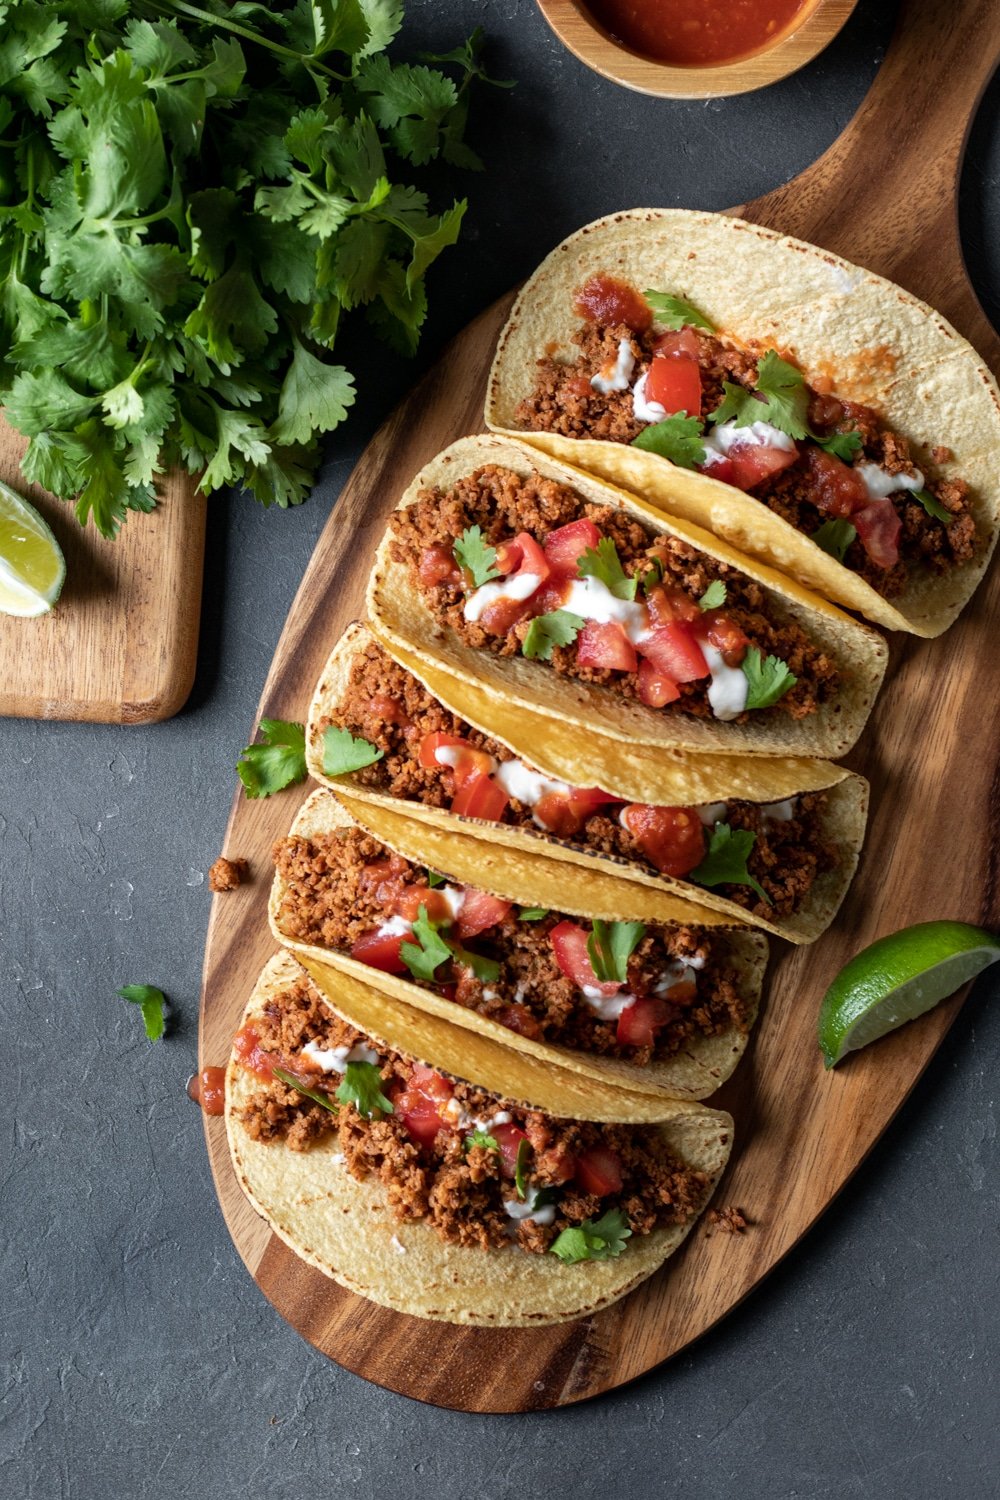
(120, 645)
(800, 1133)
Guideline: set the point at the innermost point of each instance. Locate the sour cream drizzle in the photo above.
(879, 483)
(616, 377)
(519, 586)
(514, 1209)
(643, 410)
(729, 687)
(726, 436)
(335, 1059)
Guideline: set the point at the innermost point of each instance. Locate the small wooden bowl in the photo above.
(577, 29)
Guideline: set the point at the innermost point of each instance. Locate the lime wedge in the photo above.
(32, 567)
(897, 979)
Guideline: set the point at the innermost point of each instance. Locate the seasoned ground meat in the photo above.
(227, 874)
(386, 705)
(564, 401)
(339, 888)
(502, 504)
(456, 1184)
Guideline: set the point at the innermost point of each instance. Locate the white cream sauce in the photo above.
(519, 586)
(879, 484)
(616, 377)
(729, 688)
(514, 1209)
(643, 410)
(593, 600)
(726, 436)
(335, 1059)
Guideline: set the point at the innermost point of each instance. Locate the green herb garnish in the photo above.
(678, 438)
(594, 1239)
(603, 563)
(476, 557)
(559, 628)
(344, 752)
(714, 596)
(653, 575)
(835, 537)
(520, 1168)
(933, 507)
(673, 312)
(268, 768)
(294, 1083)
(152, 1003)
(480, 1138)
(434, 879)
(726, 860)
(532, 913)
(362, 1087)
(609, 947)
(781, 398)
(430, 950)
(768, 678)
(841, 444)
(486, 970)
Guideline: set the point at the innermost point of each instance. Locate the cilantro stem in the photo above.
(208, 19)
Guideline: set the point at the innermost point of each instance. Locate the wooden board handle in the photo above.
(884, 193)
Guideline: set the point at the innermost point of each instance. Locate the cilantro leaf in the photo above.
(769, 678)
(604, 564)
(294, 1083)
(678, 438)
(362, 1087)
(151, 1002)
(434, 879)
(781, 398)
(653, 575)
(714, 596)
(559, 628)
(343, 752)
(835, 537)
(314, 397)
(841, 444)
(674, 312)
(933, 507)
(477, 557)
(486, 970)
(280, 761)
(594, 1239)
(532, 913)
(430, 950)
(520, 1168)
(726, 860)
(480, 1138)
(609, 947)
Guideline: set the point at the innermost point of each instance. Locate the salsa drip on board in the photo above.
(653, 373)
(208, 1088)
(698, 33)
(478, 1170)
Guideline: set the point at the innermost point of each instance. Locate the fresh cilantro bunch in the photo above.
(191, 197)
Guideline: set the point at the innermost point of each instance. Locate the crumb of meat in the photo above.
(227, 874)
(726, 1220)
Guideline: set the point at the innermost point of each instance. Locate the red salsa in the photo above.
(697, 33)
(604, 299)
(208, 1088)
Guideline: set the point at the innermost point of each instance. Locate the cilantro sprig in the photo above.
(714, 596)
(362, 1087)
(477, 557)
(841, 444)
(781, 398)
(768, 678)
(152, 1003)
(558, 628)
(673, 312)
(486, 970)
(835, 536)
(594, 1239)
(521, 1168)
(290, 1080)
(429, 951)
(603, 563)
(195, 198)
(933, 507)
(726, 860)
(532, 913)
(480, 1138)
(279, 762)
(609, 947)
(678, 438)
(344, 752)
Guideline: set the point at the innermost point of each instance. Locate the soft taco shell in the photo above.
(694, 1073)
(528, 865)
(346, 1230)
(399, 615)
(843, 325)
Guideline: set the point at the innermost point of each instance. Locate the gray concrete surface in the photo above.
(139, 1360)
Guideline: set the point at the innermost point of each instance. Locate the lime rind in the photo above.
(897, 979)
(32, 566)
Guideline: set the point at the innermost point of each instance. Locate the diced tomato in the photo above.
(467, 765)
(674, 651)
(667, 603)
(526, 555)
(606, 646)
(720, 469)
(605, 300)
(517, 1018)
(479, 911)
(551, 596)
(566, 545)
(725, 635)
(675, 382)
(879, 527)
(438, 565)
(412, 897)
(380, 951)
(599, 1171)
(656, 689)
(569, 944)
(681, 341)
(508, 1138)
(753, 462)
(419, 1105)
(638, 1022)
(672, 838)
(834, 487)
(482, 797)
(565, 814)
(382, 878)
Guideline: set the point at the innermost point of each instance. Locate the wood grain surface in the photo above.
(800, 1133)
(121, 644)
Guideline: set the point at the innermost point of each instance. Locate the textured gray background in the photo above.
(139, 1359)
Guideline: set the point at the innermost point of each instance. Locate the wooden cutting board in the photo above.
(121, 644)
(883, 195)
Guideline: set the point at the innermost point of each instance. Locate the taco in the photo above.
(435, 1173)
(576, 601)
(809, 412)
(657, 1008)
(776, 844)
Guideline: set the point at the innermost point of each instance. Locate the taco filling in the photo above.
(525, 567)
(652, 372)
(479, 1171)
(763, 856)
(619, 989)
